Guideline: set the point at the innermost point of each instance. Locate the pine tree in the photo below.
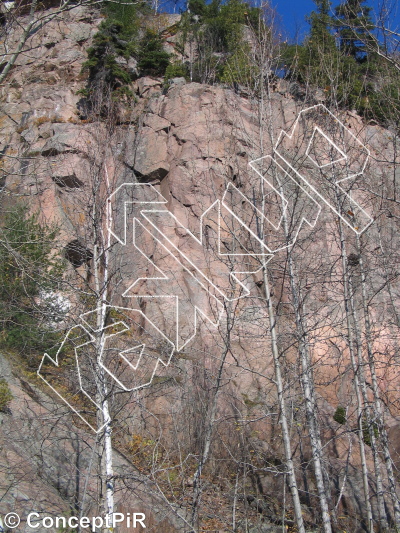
(30, 274)
(311, 61)
(354, 23)
(321, 23)
(153, 59)
(321, 42)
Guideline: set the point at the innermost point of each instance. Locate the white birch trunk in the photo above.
(351, 341)
(309, 397)
(368, 418)
(101, 279)
(378, 408)
(282, 408)
(272, 329)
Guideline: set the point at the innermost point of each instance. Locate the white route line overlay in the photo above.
(266, 251)
(85, 327)
(324, 110)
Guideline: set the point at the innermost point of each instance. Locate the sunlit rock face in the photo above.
(192, 144)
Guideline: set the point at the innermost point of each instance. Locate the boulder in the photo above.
(177, 81)
(149, 86)
(151, 156)
(67, 138)
(156, 122)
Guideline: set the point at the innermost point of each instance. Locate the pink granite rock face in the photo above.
(189, 141)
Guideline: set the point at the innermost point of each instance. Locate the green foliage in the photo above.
(176, 70)
(102, 57)
(29, 272)
(153, 60)
(366, 431)
(225, 29)
(340, 415)
(115, 42)
(203, 9)
(321, 22)
(5, 395)
(126, 15)
(216, 29)
(335, 57)
(123, 92)
(383, 103)
(320, 45)
(238, 68)
(353, 21)
(314, 61)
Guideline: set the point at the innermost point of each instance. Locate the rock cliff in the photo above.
(189, 142)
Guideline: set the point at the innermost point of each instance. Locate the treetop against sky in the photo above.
(291, 14)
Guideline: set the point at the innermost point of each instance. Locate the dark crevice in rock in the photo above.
(54, 150)
(3, 150)
(353, 259)
(179, 140)
(158, 174)
(127, 165)
(83, 107)
(71, 182)
(24, 118)
(77, 253)
(159, 130)
(24, 166)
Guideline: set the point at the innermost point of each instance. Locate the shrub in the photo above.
(116, 41)
(340, 415)
(153, 59)
(102, 62)
(217, 30)
(29, 273)
(176, 70)
(5, 395)
(126, 15)
(366, 431)
(238, 68)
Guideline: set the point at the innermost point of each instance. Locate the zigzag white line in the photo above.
(265, 250)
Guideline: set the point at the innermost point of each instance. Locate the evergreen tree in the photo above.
(102, 63)
(153, 59)
(29, 273)
(354, 23)
(309, 63)
(321, 46)
(321, 23)
(116, 40)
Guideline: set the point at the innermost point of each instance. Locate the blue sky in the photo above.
(292, 13)
(291, 16)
